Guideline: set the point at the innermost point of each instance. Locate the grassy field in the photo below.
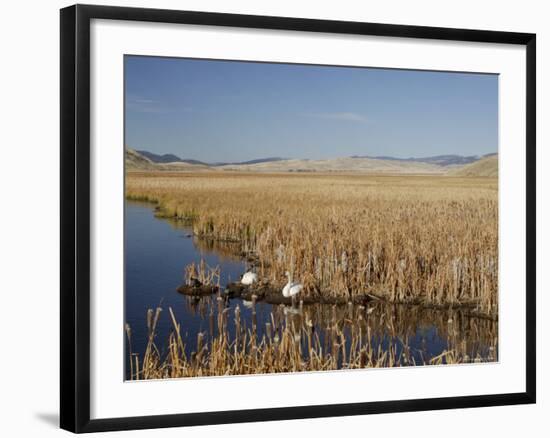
(431, 240)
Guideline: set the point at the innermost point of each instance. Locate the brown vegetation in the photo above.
(291, 343)
(200, 279)
(422, 239)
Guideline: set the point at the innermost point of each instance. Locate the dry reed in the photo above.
(291, 342)
(422, 239)
(205, 274)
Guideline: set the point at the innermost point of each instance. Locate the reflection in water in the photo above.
(427, 332)
(157, 252)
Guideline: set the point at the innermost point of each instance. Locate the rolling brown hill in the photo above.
(347, 164)
(486, 167)
(135, 161)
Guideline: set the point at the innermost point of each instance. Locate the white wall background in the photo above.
(29, 236)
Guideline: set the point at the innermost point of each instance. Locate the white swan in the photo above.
(291, 289)
(249, 278)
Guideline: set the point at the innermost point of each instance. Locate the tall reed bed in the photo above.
(422, 239)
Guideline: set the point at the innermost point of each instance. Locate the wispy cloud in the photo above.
(143, 105)
(344, 116)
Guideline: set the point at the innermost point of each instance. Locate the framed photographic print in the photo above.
(271, 218)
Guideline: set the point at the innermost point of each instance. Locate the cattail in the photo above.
(430, 240)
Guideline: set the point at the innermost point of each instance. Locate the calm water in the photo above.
(158, 250)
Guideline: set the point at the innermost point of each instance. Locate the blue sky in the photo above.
(234, 111)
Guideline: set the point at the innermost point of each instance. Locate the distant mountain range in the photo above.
(440, 160)
(171, 158)
(168, 158)
(257, 161)
(474, 165)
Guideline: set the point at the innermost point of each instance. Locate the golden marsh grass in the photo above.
(430, 240)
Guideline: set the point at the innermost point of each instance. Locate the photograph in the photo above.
(286, 218)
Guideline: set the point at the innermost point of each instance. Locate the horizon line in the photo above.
(381, 157)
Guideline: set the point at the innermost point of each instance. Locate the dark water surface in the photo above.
(158, 250)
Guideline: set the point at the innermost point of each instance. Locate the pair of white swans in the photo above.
(290, 290)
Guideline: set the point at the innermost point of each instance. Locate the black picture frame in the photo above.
(75, 217)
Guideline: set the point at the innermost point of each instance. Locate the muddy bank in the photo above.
(265, 292)
(197, 291)
(469, 308)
